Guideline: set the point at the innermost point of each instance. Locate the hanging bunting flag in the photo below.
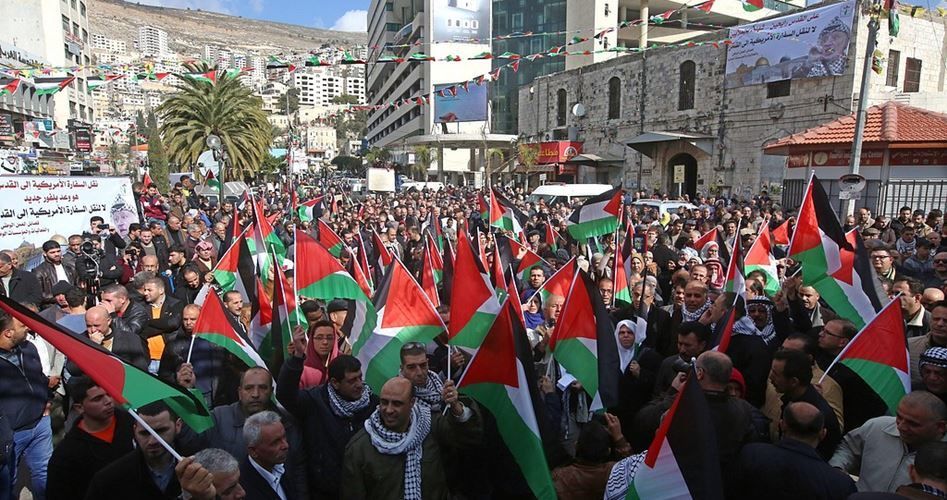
(209, 77)
(752, 5)
(94, 82)
(482, 55)
(10, 88)
(515, 66)
(51, 85)
(706, 6)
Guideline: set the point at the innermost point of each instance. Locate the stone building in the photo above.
(640, 115)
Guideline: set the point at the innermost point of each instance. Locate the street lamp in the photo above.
(216, 145)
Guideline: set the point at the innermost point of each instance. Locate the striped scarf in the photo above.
(344, 408)
(411, 443)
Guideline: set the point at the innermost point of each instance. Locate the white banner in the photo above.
(34, 208)
(810, 44)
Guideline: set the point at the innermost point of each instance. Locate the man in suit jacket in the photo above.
(262, 473)
(165, 319)
(20, 286)
(53, 270)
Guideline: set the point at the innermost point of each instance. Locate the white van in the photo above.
(664, 207)
(567, 193)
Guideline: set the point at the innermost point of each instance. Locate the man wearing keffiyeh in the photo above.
(400, 452)
(414, 367)
(933, 369)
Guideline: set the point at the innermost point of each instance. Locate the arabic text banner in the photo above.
(810, 44)
(34, 208)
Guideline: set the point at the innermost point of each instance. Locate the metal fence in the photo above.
(879, 197)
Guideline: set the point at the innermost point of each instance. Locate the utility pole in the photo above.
(861, 113)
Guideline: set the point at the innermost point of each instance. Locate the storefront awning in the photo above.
(595, 160)
(647, 142)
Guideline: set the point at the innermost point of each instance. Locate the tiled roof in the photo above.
(887, 123)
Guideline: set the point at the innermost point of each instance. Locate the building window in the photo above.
(778, 89)
(82, 9)
(65, 24)
(561, 104)
(614, 98)
(912, 75)
(894, 61)
(685, 99)
(389, 6)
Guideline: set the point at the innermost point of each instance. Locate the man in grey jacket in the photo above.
(881, 451)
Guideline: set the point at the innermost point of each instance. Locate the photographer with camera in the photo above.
(95, 268)
(693, 338)
(107, 235)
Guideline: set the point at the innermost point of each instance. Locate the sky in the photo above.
(343, 15)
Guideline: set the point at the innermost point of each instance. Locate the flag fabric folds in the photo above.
(329, 239)
(760, 258)
(879, 356)
(473, 301)
(129, 386)
(501, 377)
(597, 216)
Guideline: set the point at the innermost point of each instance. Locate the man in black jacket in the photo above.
(52, 270)
(267, 451)
(330, 414)
(99, 437)
(24, 391)
(147, 473)
(165, 319)
(108, 235)
(791, 374)
(17, 284)
(792, 468)
(132, 315)
(114, 337)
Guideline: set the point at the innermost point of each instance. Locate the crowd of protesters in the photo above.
(315, 430)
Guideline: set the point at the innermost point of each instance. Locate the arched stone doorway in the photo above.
(689, 186)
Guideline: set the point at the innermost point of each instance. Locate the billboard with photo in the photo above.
(460, 20)
(466, 106)
(810, 44)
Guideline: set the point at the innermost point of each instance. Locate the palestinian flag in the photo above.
(495, 215)
(319, 276)
(484, 208)
(530, 260)
(473, 301)
(94, 82)
(597, 216)
(781, 234)
(760, 258)
(362, 258)
(736, 281)
(752, 5)
(354, 268)
(584, 342)
(211, 181)
(682, 461)
(276, 63)
(716, 236)
(722, 341)
(622, 288)
(235, 271)
(282, 306)
(497, 276)
(129, 386)
(879, 356)
(329, 239)
(214, 325)
(828, 259)
(447, 257)
(559, 283)
(49, 85)
(552, 237)
(208, 77)
(264, 232)
(501, 377)
(404, 314)
(434, 228)
(152, 76)
(311, 210)
(430, 276)
(9, 87)
(510, 217)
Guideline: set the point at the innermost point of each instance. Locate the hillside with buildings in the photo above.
(190, 30)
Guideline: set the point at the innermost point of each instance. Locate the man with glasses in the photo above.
(939, 279)
(883, 263)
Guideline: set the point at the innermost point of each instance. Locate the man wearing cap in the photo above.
(933, 370)
(53, 270)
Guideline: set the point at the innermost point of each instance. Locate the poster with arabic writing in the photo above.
(811, 44)
(34, 208)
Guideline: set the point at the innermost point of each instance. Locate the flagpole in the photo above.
(295, 263)
(177, 456)
(190, 349)
(894, 300)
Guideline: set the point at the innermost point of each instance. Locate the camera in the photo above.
(681, 366)
(103, 226)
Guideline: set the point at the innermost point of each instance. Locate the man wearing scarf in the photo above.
(750, 351)
(427, 384)
(329, 414)
(399, 454)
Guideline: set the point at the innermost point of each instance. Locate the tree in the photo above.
(158, 162)
(272, 165)
(423, 157)
(292, 95)
(352, 124)
(348, 163)
(226, 109)
(528, 154)
(375, 156)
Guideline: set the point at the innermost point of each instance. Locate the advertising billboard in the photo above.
(810, 44)
(460, 20)
(464, 106)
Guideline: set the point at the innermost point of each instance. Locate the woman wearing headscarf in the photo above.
(204, 259)
(638, 366)
(533, 312)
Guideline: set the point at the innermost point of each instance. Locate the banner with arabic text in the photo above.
(810, 44)
(34, 208)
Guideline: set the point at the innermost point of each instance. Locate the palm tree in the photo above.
(226, 109)
(423, 157)
(377, 155)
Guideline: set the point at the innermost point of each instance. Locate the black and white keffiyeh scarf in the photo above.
(694, 316)
(746, 326)
(410, 443)
(623, 473)
(344, 408)
(431, 392)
